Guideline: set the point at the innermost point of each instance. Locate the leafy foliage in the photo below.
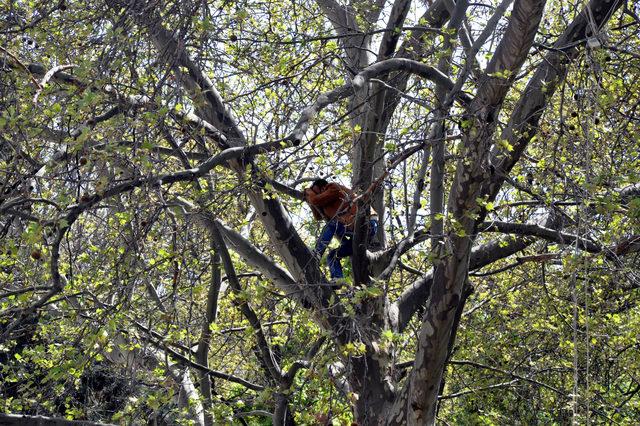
(111, 283)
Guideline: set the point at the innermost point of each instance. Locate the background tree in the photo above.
(155, 260)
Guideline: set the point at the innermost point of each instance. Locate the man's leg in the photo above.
(346, 248)
(373, 228)
(335, 256)
(326, 235)
(335, 268)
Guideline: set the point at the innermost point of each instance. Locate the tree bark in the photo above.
(202, 353)
(419, 402)
(23, 419)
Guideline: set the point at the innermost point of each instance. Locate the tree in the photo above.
(141, 140)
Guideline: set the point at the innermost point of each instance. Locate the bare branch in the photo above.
(24, 419)
(358, 81)
(542, 232)
(213, 373)
(484, 388)
(416, 295)
(267, 357)
(48, 77)
(304, 363)
(523, 123)
(202, 352)
(390, 38)
(506, 373)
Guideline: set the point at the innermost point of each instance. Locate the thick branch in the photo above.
(59, 76)
(626, 246)
(416, 295)
(198, 83)
(523, 123)
(373, 71)
(252, 255)
(535, 230)
(284, 189)
(257, 259)
(355, 42)
(390, 38)
(266, 355)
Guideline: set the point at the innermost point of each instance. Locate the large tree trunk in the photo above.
(371, 389)
(418, 403)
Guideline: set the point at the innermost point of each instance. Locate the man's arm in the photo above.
(329, 195)
(316, 213)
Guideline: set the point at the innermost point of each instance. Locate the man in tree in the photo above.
(335, 204)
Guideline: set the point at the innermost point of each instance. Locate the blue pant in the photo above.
(333, 227)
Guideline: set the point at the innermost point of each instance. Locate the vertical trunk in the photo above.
(370, 375)
(433, 341)
(467, 290)
(188, 396)
(416, 203)
(435, 334)
(202, 354)
(436, 185)
(371, 392)
(418, 402)
(282, 415)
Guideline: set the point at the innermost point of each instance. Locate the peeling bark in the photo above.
(449, 276)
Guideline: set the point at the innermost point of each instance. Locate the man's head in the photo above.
(318, 185)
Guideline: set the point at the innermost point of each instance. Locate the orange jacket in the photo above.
(334, 202)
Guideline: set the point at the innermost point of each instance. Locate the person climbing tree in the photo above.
(336, 204)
